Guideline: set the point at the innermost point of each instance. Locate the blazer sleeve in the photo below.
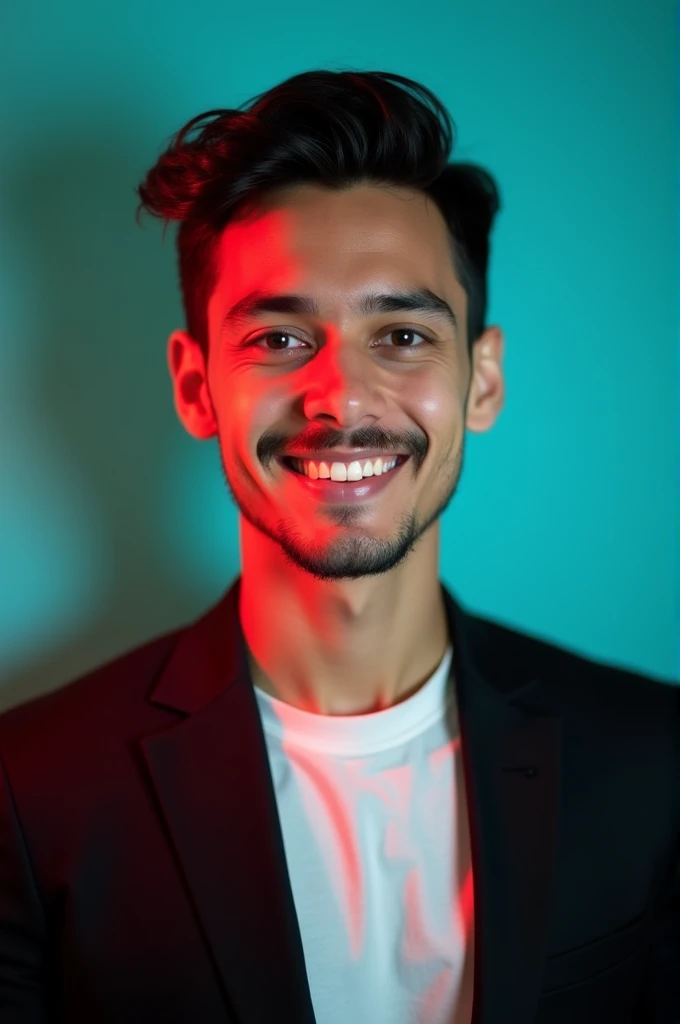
(668, 956)
(660, 995)
(22, 922)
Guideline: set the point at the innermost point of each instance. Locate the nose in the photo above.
(343, 387)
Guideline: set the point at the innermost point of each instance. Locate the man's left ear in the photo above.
(487, 387)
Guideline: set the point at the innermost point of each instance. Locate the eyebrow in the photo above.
(417, 300)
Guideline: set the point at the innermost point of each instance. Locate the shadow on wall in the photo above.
(97, 390)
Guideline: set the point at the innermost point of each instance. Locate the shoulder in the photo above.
(558, 676)
(106, 699)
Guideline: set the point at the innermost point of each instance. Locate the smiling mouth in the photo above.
(288, 462)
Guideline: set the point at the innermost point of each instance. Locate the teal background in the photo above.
(115, 525)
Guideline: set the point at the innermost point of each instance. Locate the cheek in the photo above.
(435, 406)
(246, 411)
(249, 415)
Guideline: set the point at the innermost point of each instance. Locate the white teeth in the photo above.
(341, 471)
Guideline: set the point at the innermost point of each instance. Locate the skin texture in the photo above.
(340, 604)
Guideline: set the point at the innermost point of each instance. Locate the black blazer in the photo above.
(142, 867)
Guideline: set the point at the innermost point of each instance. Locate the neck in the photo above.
(341, 647)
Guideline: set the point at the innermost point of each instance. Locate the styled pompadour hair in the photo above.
(332, 128)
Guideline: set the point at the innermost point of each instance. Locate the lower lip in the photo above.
(344, 493)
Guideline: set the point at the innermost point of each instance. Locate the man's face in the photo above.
(295, 382)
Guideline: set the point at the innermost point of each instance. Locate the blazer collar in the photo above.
(212, 779)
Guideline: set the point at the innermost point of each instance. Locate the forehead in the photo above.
(335, 245)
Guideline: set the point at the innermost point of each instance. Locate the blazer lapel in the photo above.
(211, 775)
(511, 760)
(215, 790)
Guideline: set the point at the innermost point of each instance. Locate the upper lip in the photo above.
(338, 456)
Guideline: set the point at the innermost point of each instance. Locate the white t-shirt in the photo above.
(374, 819)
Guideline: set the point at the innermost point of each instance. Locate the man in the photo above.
(337, 796)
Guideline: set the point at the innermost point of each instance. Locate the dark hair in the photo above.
(334, 128)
